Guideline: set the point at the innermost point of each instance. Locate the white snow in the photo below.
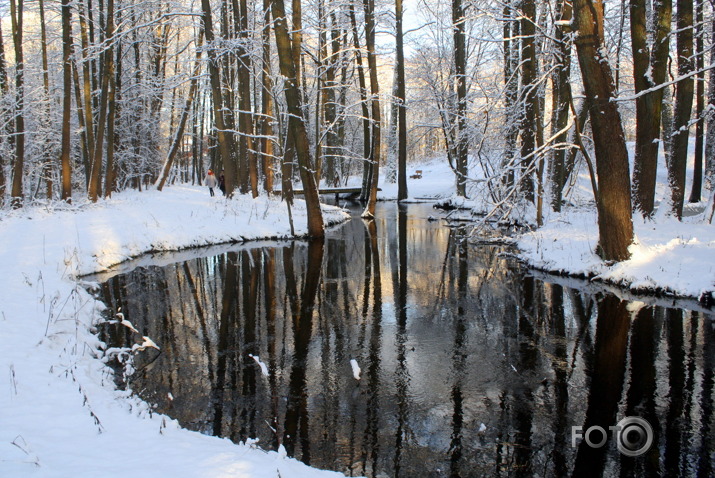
(61, 413)
(264, 368)
(147, 343)
(669, 256)
(356, 369)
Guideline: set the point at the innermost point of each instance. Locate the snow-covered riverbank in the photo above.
(61, 413)
(669, 257)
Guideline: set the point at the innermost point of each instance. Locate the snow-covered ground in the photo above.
(668, 256)
(61, 415)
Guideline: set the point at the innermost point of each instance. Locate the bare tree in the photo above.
(87, 98)
(94, 188)
(677, 160)
(561, 101)
(247, 159)
(649, 69)
(179, 134)
(296, 121)
(47, 167)
(362, 90)
(510, 34)
(226, 141)
(65, 159)
(613, 197)
(3, 114)
(528, 125)
(401, 106)
(16, 14)
(697, 186)
(460, 74)
(375, 126)
(266, 126)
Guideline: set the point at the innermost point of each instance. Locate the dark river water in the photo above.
(469, 364)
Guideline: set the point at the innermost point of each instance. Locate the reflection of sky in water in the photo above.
(482, 369)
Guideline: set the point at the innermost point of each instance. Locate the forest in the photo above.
(150, 328)
(99, 96)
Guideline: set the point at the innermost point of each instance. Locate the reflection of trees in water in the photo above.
(606, 381)
(399, 273)
(448, 336)
(641, 394)
(297, 416)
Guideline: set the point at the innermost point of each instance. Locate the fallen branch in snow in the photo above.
(25, 448)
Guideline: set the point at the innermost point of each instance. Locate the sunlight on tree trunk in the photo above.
(375, 126)
(677, 160)
(65, 159)
(16, 14)
(296, 121)
(614, 199)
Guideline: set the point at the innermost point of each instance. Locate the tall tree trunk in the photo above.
(87, 89)
(249, 166)
(108, 60)
(614, 193)
(65, 159)
(683, 106)
(460, 73)
(47, 168)
(375, 127)
(342, 166)
(697, 187)
(561, 98)
(649, 70)
(710, 123)
(296, 38)
(619, 43)
(113, 69)
(296, 121)
(330, 102)
(529, 95)
(80, 120)
(179, 134)
(3, 114)
(510, 34)
(266, 125)
(16, 14)
(362, 87)
(320, 90)
(158, 53)
(289, 153)
(401, 105)
(226, 142)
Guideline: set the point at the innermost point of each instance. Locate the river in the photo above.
(398, 347)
